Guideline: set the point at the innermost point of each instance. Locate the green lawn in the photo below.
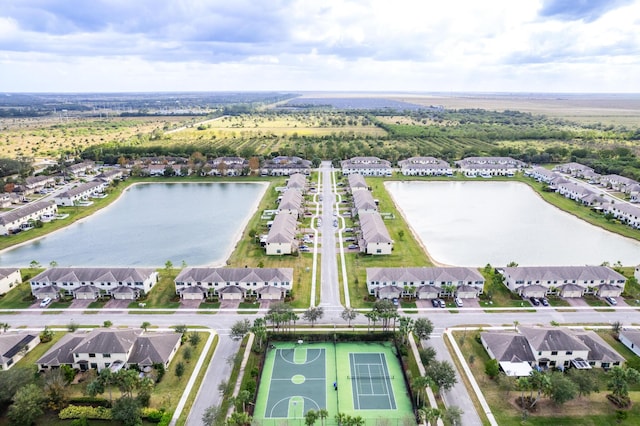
(163, 294)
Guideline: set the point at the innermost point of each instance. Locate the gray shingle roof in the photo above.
(108, 341)
(599, 350)
(283, 229)
(58, 275)
(223, 275)
(24, 211)
(632, 335)
(357, 181)
(62, 352)
(88, 186)
(152, 348)
(363, 200)
(561, 273)
(417, 275)
(508, 346)
(374, 229)
(12, 343)
(552, 339)
(5, 272)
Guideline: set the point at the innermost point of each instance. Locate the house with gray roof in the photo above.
(630, 337)
(554, 346)
(570, 281)
(374, 237)
(574, 169)
(426, 283)
(291, 202)
(88, 283)
(626, 213)
(16, 219)
(109, 175)
(9, 277)
(81, 192)
(36, 183)
(297, 181)
(14, 346)
(357, 182)
(363, 203)
(243, 281)
(618, 183)
(229, 166)
(366, 166)
(489, 166)
(511, 350)
(80, 169)
(285, 166)
(425, 166)
(600, 353)
(281, 237)
(104, 348)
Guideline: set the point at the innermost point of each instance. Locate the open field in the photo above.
(50, 137)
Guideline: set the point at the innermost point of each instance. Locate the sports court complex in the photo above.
(358, 379)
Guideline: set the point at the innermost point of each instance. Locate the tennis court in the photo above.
(358, 379)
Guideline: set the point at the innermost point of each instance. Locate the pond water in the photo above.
(197, 223)
(475, 223)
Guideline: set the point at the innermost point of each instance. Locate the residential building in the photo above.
(88, 283)
(229, 166)
(363, 203)
(618, 183)
(425, 166)
(250, 281)
(110, 175)
(366, 166)
(281, 237)
(568, 281)
(357, 182)
(80, 169)
(511, 350)
(36, 183)
(81, 192)
(489, 166)
(297, 181)
(630, 337)
(374, 237)
(114, 349)
(574, 169)
(14, 346)
(9, 277)
(625, 212)
(17, 219)
(291, 202)
(421, 281)
(285, 166)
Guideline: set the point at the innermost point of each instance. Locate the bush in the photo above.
(78, 412)
(152, 415)
(90, 401)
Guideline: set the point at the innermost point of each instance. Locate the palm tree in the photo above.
(419, 384)
(372, 316)
(323, 414)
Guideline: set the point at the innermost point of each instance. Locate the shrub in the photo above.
(152, 415)
(90, 401)
(78, 412)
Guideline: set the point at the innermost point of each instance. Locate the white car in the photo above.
(45, 302)
(458, 302)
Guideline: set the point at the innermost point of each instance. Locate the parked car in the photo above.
(611, 300)
(534, 301)
(352, 246)
(544, 301)
(348, 229)
(350, 239)
(45, 302)
(304, 247)
(435, 303)
(395, 301)
(305, 250)
(458, 302)
(443, 304)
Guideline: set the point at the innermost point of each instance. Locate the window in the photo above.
(106, 355)
(92, 355)
(554, 353)
(569, 353)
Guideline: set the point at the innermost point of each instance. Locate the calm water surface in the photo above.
(475, 223)
(151, 223)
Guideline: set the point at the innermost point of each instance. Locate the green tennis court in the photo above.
(358, 379)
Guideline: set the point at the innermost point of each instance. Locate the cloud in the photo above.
(573, 10)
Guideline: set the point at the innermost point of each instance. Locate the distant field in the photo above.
(47, 137)
(609, 109)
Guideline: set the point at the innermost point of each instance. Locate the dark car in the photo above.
(544, 301)
(435, 303)
(534, 301)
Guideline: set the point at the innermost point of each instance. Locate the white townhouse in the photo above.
(569, 281)
(281, 237)
(14, 346)
(574, 191)
(89, 283)
(543, 175)
(9, 277)
(425, 283)
(630, 337)
(364, 203)
(425, 166)
(81, 192)
(297, 181)
(618, 183)
(36, 183)
(197, 283)
(357, 182)
(291, 202)
(114, 349)
(80, 169)
(575, 169)
(17, 219)
(110, 175)
(366, 166)
(285, 166)
(229, 166)
(625, 212)
(374, 237)
(489, 166)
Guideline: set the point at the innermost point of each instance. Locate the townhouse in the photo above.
(630, 337)
(285, 166)
(291, 202)
(366, 166)
(568, 281)
(229, 166)
(363, 203)
(36, 183)
(425, 166)
(374, 237)
(90, 283)
(110, 175)
(357, 182)
(81, 192)
(281, 237)
(20, 218)
(548, 347)
(489, 166)
(618, 183)
(9, 277)
(625, 212)
(575, 169)
(14, 346)
(114, 349)
(297, 181)
(263, 283)
(426, 283)
(80, 169)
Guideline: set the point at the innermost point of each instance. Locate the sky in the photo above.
(320, 45)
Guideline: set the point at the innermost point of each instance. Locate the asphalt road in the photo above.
(329, 288)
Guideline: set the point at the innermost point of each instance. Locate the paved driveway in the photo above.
(81, 303)
(229, 304)
(576, 301)
(117, 304)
